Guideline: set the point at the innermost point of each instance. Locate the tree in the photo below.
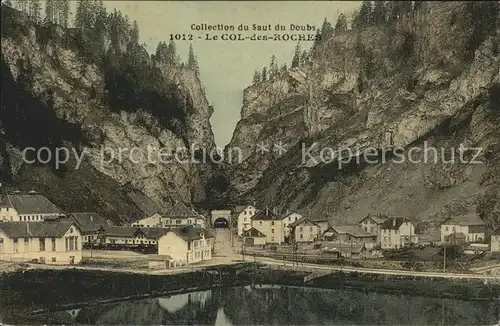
(283, 69)
(134, 34)
(172, 53)
(50, 11)
(273, 68)
(8, 3)
(264, 74)
(256, 77)
(341, 25)
(82, 14)
(192, 61)
(296, 56)
(365, 13)
(404, 7)
(326, 30)
(22, 5)
(304, 56)
(379, 13)
(63, 12)
(35, 10)
(417, 5)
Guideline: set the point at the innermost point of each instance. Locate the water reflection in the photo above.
(271, 305)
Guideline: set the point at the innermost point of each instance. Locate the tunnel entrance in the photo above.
(221, 222)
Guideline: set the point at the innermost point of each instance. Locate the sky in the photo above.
(227, 67)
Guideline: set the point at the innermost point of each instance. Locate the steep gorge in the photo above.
(54, 96)
(430, 79)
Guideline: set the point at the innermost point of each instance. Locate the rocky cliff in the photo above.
(71, 93)
(430, 79)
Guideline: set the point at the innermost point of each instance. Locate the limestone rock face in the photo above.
(416, 84)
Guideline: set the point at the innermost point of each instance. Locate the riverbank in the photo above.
(28, 291)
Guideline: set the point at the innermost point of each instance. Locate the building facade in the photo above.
(30, 207)
(91, 224)
(243, 216)
(397, 232)
(269, 224)
(304, 230)
(49, 242)
(348, 234)
(289, 219)
(254, 238)
(472, 226)
(372, 223)
(153, 221)
(495, 241)
(181, 215)
(186, 245)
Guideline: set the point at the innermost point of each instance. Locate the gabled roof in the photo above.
(378, 219)
(121, 231)
(180, 210)
(394, 223)
(265, 215)
(153, 233)
(291, 213)
(190, 233)
(472, 219)
(31, 204)
(300, 221)
(354, 230)
(52, 229)
(253, 232)
(90, 221)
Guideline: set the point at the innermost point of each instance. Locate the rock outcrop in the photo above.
(431, 79)
(78, 97)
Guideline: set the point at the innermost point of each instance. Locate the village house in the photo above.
(53, 241)
(152, 221)
(350, 234)
(495, 240)
(119, 235)
(186, 245)
(149, 236)
(181, 215)
(29, 207)
(304, 230)
(289, 219)
(254, 238)
(243, 216)
(472, 226)
(371, 223)
(397, 232)
(345, 250)
(270, 224)
(91, 225)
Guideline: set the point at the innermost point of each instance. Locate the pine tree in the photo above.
(296, 56)
(192, 61)
(63, 12)
(417, 5)
(273, 68)
(317, 39)
(81, 15)
(50, 11)
(263, 75)
(379, 13)
(393, 11)
(34, 10)
(134, 34)
(326, 30)
(405, 7)
(256, 77)
(283, 69)
(341, 25)
(304, 56)
(365, 13)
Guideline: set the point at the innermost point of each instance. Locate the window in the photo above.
(289, 218)
(272, 238)
(42, 244)
(300, 229)
(244, 212)
(453, 229)
(260, 222)
(272, 223)
(53, 259)
(1, 244)
(310, 229)
(272, 230)
(301, 236)
(446, 228)
(53, 244)
(189, 221)
(178, 222)
(26, 244)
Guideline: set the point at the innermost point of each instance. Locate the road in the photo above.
(275, 262)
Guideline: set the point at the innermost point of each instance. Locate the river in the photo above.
(281, 305)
